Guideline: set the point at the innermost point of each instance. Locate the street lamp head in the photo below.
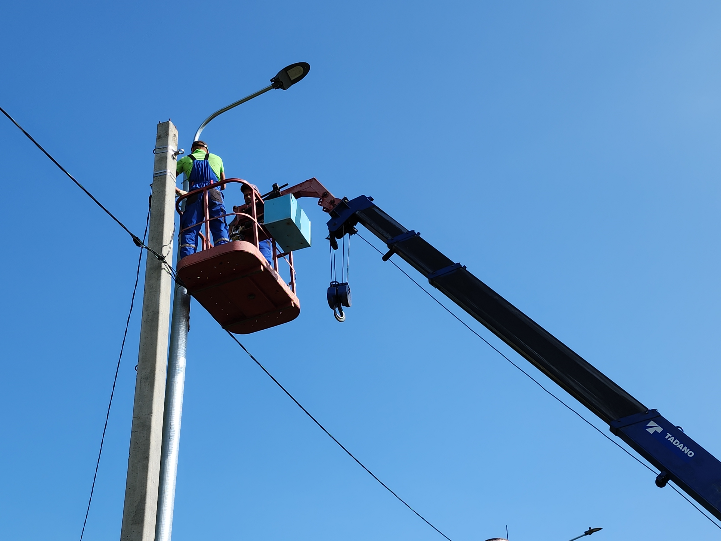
(290, 75)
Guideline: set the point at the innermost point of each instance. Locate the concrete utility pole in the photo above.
(141, 487)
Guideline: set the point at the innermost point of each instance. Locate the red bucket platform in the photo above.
(237, 286)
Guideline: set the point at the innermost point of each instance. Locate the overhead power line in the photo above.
(333, 437)
(141, 244)
(136, 240)
(534, 380)
(115, 379)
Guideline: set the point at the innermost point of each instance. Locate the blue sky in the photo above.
(565, 152)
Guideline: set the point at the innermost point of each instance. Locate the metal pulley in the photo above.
(339, 291)
(339, 296)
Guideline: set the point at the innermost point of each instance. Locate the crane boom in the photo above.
(679, 458)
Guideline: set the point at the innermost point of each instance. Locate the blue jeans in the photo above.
(194, 214)
(266, 249)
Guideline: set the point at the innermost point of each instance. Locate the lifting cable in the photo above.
(534, 380)
(338, 294)
(345, 270)
(141, 244)
(136, 240)
(115, 379)
(332, 437)
(345, 262)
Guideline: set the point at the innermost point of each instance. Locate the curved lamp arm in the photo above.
(228, 108)
(285, 78)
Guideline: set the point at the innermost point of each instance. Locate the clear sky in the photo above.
(566, 152)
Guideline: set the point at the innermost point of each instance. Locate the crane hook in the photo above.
(338, 297)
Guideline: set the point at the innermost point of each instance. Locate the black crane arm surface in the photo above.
(679, 458)
(584, 382)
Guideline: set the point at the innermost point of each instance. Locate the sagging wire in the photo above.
(115, 378)
(331, 435)
(136, 240)
(534, 380)
(169, 268)
(140, 244)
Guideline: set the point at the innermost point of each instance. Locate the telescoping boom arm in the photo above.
(679, 458)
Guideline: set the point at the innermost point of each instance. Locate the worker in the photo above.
(201, 168)
(238, 228)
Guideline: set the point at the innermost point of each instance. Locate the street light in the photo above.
(587, 532)
(285, 78)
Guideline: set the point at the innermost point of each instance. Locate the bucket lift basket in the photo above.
(234, 282)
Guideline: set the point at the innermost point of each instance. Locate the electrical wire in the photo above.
(331, 435)
(534, 380)
(115, 379)
(135, 238)
(138, 242)
(169, 268)
(172, 272)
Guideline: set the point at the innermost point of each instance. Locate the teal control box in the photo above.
(287, 223)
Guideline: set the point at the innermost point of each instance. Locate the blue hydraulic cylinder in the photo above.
(679, 458)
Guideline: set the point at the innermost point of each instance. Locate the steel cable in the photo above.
(173, 274)
(141, 244)
(332, 437)
(136, 240)
(534, 380)
(115, 379)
